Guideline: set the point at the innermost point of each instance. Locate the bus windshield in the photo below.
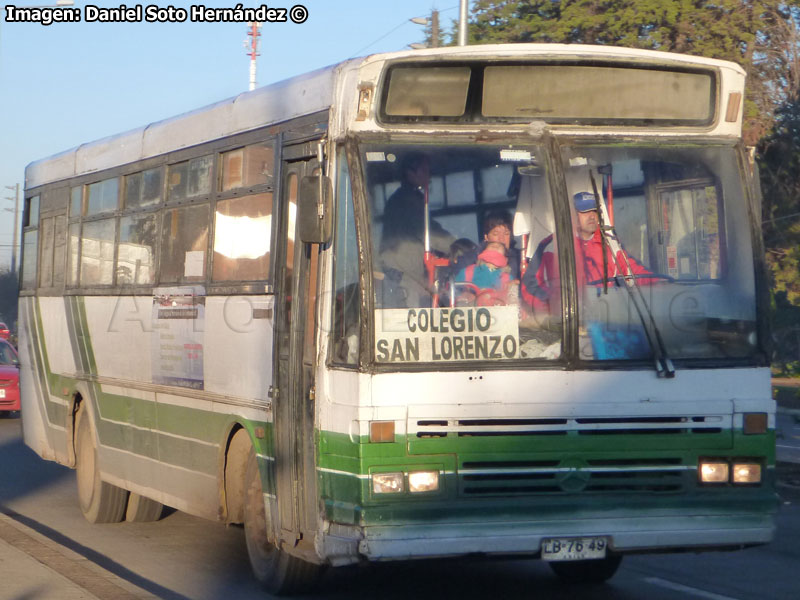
(466, 260)
(679, 227)
(450, 291)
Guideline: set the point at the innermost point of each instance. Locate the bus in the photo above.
(256, 313)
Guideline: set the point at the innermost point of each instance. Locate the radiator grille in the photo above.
(662, 475)
(670, 425)
(636, 472)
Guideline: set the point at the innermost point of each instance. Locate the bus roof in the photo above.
(302, 95)
(281, 101)
(559, 51)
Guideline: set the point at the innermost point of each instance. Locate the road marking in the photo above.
(686, 589)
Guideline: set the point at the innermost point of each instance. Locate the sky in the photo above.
(69, 83)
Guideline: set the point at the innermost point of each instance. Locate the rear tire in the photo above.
(278, 572)
(142, 510)
(100, 502)
(587, 571)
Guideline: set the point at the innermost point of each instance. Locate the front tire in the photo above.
(278, 572)
(587, 571)
(100, 502)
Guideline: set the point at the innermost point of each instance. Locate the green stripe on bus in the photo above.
(52, 384)
(84, 336)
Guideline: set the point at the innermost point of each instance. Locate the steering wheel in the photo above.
(490, 297)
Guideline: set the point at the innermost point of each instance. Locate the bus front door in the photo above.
(295, 356)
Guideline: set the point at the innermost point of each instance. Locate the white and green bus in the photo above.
(254, 313)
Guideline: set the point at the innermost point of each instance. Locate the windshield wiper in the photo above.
(664, 366)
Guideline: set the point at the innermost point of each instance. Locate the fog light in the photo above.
(387, 483)
(423, 481)
(714, 472)
(746, 473)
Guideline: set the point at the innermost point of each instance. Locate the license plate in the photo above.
(585, 548)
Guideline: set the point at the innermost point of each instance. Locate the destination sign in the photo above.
(446, 334)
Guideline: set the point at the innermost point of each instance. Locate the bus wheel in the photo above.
(587, 571)
(278, 572)
(100, 502)
(142, 510)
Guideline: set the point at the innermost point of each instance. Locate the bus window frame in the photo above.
(342, 151)
(570, 358)
(760, 357)
(563, 221)
(306, 127)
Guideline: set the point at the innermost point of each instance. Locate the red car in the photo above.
(9, 378)
(5, 332)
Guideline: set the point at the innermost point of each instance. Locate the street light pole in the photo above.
(16, 229)
(433, 22)
(462, 22)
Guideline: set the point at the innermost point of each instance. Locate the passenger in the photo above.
(490, 276)
(497, 227)
(541, 279)
(402, 247)
(460, 248)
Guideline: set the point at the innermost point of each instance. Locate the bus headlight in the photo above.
(746, 473)
(714, 472)
(423, 481)
(387, 483)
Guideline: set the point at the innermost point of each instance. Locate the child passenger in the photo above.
(490, 276)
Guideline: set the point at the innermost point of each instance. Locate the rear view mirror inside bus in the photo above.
(315, 209)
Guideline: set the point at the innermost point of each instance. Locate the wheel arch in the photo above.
(78, 400)
(233, 464)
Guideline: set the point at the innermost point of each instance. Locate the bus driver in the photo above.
(541, 279)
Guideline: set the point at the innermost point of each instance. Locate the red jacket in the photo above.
(541, 280)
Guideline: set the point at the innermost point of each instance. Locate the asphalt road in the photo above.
(787, 443)
(181, 557)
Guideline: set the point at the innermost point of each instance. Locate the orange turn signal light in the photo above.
(381, 431)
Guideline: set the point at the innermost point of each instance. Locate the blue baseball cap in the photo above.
(584, 202)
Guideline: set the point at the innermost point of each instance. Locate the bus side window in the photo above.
(136, 252)
(48, 238)
(59, 251)
(242, 238)
(97, 252)
(347, 290)
(248, 166)
(184, 243)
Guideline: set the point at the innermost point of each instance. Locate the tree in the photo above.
(779, 164)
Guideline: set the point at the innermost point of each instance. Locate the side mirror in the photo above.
(315, 209)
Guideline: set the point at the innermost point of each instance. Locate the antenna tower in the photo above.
(254, 31)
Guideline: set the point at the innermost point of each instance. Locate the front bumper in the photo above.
(626, 534)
